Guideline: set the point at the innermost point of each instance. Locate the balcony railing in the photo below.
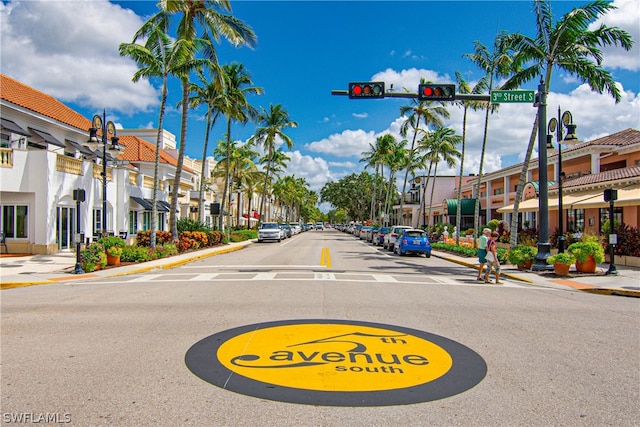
(97, 172)
(6, 158)
(68, 164)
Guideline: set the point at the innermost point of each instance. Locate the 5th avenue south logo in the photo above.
(335, 362)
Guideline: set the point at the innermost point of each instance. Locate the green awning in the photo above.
(450, 206)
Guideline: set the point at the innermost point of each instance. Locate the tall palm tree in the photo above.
(442, 146)
(212, 19)
(208, 92)
(496, 64)
(375, 157)
(465, 88)
(572, 47)
(396, 159)
(272, 125)
(159, 57)
(418, 112)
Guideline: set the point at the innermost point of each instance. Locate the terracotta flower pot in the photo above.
(561, 269)
(526, 266)
(589, 266)
(113, 260)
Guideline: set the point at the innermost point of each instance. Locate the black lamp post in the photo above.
(611, 195)
(544, 247)
(100, 124)
(554, 126)
(79, 197)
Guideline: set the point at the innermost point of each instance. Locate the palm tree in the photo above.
(573, 48)
(272, 125)
(212, 19)
(497, 63)
(375, 157)
(465, 88)
(158, 57)
(235, 106)
(209, 93)
(396, 159)
(419, 111)
(441, 147)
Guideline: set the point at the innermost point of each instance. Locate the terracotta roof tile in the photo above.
(27, 97)
(140, 150)
(603, 177)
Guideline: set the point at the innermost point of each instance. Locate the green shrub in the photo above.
(110, 241)
(188, 224)
(521, 254)
(582, 250)
(562, 258)
(135, 254)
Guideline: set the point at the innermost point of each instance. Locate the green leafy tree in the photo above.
(568, 45)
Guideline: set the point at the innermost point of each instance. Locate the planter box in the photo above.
(624, 260)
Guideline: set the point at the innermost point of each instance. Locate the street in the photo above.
(113, 351)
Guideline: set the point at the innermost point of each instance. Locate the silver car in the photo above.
(269, 231)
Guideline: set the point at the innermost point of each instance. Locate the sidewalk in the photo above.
(626, 283)
(28, 270)
(18, 271)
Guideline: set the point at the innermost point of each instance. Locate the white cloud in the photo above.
(345, 144)
(315, 170)
(626, 18)
(44, 45)
(360, 115)
(409, 79)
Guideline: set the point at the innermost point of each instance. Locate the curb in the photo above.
(466, 264)
(142, 269)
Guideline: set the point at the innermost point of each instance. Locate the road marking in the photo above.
(264, 276)
(325, 257)
(324, 276)
(383, 278)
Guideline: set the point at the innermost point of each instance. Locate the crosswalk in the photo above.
(298, 274)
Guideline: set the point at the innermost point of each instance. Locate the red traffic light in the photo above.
(362, 90)
(437, 92)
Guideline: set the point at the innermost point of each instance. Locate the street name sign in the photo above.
(501, 96)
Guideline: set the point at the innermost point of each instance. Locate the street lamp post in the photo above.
(100, 124)
(555, 127)
(544, 247)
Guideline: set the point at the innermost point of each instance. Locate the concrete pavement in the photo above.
(28, 270)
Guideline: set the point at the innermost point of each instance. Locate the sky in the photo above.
(69, 50)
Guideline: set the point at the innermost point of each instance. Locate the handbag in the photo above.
(489, 257)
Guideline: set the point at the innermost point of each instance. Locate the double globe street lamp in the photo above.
(106, 128)
(555, 126)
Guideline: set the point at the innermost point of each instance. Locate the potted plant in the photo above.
(113, 255)
(93, 257)
(587, 254)
(113, 247)
(561, 263)
(522, 256)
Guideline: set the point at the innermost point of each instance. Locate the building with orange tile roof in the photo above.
(44, 158)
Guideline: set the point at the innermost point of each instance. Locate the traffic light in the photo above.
(366, 90)
(436, 92)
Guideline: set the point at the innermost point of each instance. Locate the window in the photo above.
(133, 223)
(604, 216)
(498, 191)
(575, 220)
(146, 220)
(14, 221)
(97, 221)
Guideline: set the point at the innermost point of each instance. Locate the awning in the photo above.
(161, 205)
(49, 139)
(530, 205)
(12, 127)
(629, 196)
(142, 202)
(467, 206)
(81, 148)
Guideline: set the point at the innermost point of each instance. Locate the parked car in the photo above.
(363, 232)
(415, 241)
(269, 231)
(378, 238)
(286, 228)
(319, 226)
(371, 233)
(390, 238)
(295, 227)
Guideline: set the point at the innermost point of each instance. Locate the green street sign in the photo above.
(500, 96)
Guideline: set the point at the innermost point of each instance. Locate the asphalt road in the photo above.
(112, 351)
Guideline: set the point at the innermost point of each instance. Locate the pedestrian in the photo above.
(493, 264)
(482, 251)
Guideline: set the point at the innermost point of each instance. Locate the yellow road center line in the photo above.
(325, 257)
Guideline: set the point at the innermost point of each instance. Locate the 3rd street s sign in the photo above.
(502, 96)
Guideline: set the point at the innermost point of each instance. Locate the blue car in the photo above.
(414, 241)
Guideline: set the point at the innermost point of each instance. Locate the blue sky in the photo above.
(68, 49)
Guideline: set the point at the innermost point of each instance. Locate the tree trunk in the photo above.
(173, 220)
(459, 197)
